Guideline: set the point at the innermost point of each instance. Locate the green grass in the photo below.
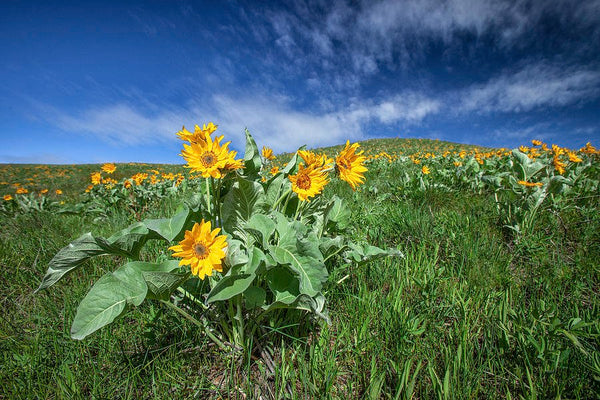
(467, 313)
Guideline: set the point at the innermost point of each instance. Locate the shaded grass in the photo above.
(467, 313)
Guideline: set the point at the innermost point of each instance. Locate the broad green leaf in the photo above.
(361, 254)
(292, 166)
(230, 286)
(160, 278)
(236, 255)
(275, 189)
(337, 217)
(243, 200)
(329, 246)
(310, 270)
(256, 262)
(255, 297)
(252, 160)
(108, 299)
(129, 241)
(284, 285)
(170, 228)
(70, 257)
(263, 225)
(162, 284)
(315, 304)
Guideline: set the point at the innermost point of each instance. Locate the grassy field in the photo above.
(471, 310)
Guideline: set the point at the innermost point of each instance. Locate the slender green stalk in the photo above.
(199, 324)
(283, 196)
(191, 297)
(208, 202)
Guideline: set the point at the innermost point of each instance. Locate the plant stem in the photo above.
(191, 297)
(208, 194)
(284, 195)
(203, 326)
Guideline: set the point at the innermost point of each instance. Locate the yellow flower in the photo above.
(22, 190)
(588, 149)
(536, 142)
(202, 249)
(559, 165)
(43, 191)
(315, 160)
(308, 182)
(7, 197)
(109, 168)
(96, 178)
(425, 170)
(199, 135)
(267, 153)
(210, 158)
(457, 163)
(274, 170)
(349, 165)
(58, 192)
(530, 184)
(574, 157)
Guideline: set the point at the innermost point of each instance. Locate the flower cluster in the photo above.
(207, 155)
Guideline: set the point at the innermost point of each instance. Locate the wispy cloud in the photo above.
(535, 85)
(271, 119)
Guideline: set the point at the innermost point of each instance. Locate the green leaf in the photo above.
(365, 253)
(263, 226)
(292, 166)
(235, 254)
(108, 299)
(329, 246)
(284, 285)
(252, 160)
(70, 257)
(160, 278)
(129, 241)
(230, 286)
(243, 200)
(170, 228)
(337, 217)
(275, 188)
(162, 284)
(301, 258)
(256, 262)
(255, 297)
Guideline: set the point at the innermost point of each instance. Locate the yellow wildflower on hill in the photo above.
(109, 168)
(308, 182)
(350, 165)
(203, 249)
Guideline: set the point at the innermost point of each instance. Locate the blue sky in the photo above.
(113, 81)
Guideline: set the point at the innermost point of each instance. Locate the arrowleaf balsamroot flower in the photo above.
(425, 170)
(210, 158)
(315, 160)
(308, 182)
(199, 135)
(109, 168)
(203, 249)
(349, 165)
(530, 184)
(267, 153)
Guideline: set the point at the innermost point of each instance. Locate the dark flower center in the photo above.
(201, 250)
(208, 159)
(303, 182)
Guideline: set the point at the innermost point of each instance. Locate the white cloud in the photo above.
(535, 85)
(271, 120)
(120, 123)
